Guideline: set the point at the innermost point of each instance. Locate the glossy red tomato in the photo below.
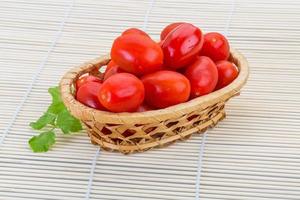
(135, 31)
(137, 54)
(182, 45)
(87, 94)
(215, 46)
(85, 79)
(227, 73)
(111, 69)
(166, 88)
(168, 29)
(144, 107)
(122, 92)
(203, 76)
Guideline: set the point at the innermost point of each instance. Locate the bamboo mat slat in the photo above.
(252, 155)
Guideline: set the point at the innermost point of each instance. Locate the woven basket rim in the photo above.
(79, 110)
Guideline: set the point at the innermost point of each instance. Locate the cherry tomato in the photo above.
(144, 107)
(122, 92)
(182, 45)
(135, 31)
(87, 94)
(215, 46)
(137, 54)
(168, 29)
(203, 76)
(85, 79)
(227, 73)
(111, 69)
(166, 88)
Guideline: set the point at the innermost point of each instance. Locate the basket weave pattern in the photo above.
(130, 132)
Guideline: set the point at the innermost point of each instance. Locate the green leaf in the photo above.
(55, 93)
(59, 117)
(56, 108)
(67, 123)
(57, 104)
(46, 118)
(42, 142)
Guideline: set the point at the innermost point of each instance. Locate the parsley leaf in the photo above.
(57, 104)
(67, 123)
(42, 142)
(54, 91)
(56, 115)
(56, 108)
(47, 118)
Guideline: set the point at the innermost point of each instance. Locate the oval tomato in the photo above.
(215, 46)
(111, 69)
(137, 54)
(166, 88)
(135, 31)
(203, 76)
(168, 29)
(227, 72)
(122, 92)
(182, 45)
(87, 94)
(85, 79)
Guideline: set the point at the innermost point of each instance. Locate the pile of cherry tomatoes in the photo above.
(146, 75)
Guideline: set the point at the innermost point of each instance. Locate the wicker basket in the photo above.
(131, 132)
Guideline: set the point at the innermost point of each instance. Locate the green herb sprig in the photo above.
(56, 117)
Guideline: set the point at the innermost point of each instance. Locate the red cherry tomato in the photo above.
(111, 69)
(135, 31)
(143, 108)
(203, 76)
(182, 45)
(168, 29)
(87, 94)
(85, 79)
(215, 46)
(137, 54)
(227, 73)
(166, 88)
(122, 92)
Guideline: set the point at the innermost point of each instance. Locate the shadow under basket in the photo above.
(141, 131)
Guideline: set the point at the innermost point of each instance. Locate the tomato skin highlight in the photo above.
(135, 31)
(111, 69)
(144, 107)
(182, 45)
(165, 88)
(122, 92)
(203, 76)
(87, 94)
(227, 72)
(137, 54)
(215, 46)
(168, 29)
(85, 79)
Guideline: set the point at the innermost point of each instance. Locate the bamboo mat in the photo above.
(253, 154)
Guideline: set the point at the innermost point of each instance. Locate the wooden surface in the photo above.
(253, 154)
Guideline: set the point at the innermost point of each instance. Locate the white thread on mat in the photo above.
(233, 6)
(199, 169)
(202, 149)
(94, 162)
(91, 177)
(146, 19)
(39, 70)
